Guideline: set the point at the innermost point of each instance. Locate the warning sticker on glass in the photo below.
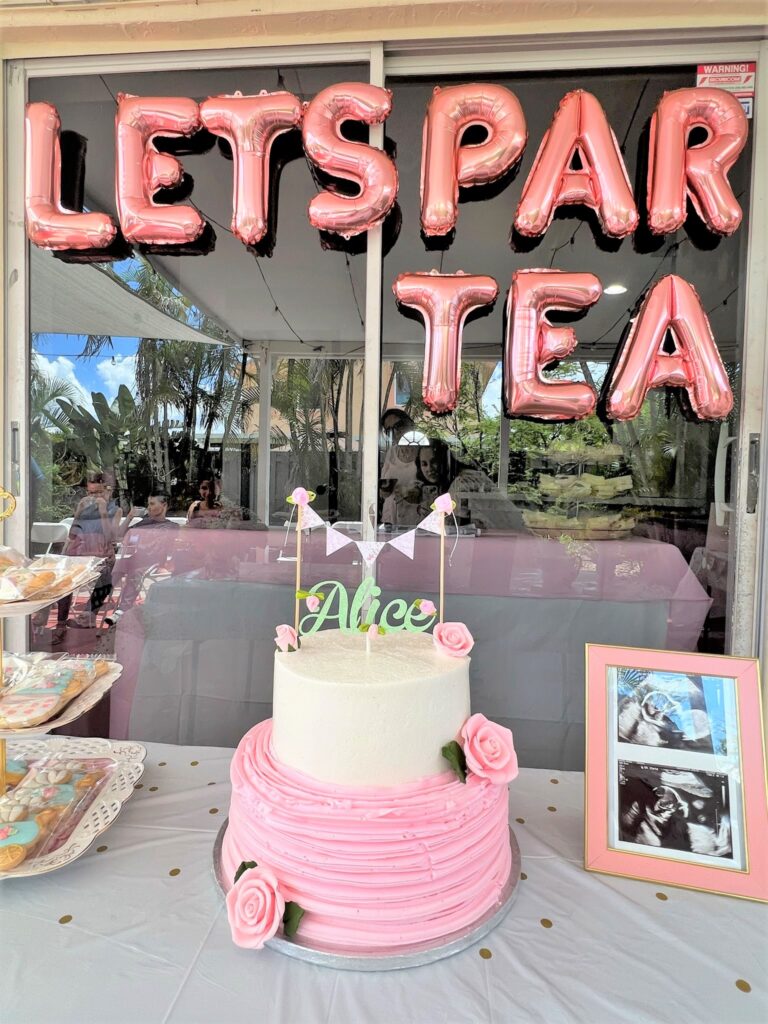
(737, 77)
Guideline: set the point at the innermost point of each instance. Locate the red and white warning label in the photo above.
(737, 77)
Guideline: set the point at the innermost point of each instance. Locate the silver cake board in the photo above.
(411, 955)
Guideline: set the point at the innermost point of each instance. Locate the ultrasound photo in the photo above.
(670, 709)
(673, 809)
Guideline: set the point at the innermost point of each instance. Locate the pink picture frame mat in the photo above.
(751, 883)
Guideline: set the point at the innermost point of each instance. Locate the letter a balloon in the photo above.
(579, 126)
(671, 304)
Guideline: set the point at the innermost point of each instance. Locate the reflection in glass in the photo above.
(147, 387)
(577, 532)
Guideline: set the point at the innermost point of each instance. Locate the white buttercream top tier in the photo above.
(345, 716)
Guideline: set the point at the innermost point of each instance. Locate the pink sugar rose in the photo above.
(444, 503)
(427, 607)
(300, 496)
(489, 750)
(286, 637)
(313, 602)
(453, 638)
(255, 908)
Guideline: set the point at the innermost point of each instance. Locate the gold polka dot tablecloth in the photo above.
(135, 931)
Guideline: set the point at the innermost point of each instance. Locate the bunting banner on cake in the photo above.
(404, 543)
(433, 523)
(310, 519)
(370, 549)
(335, 541)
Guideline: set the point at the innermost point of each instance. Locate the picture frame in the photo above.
(675, 770)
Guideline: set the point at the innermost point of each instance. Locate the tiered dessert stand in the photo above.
(31, 743)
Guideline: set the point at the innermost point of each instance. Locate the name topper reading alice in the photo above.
(395, 616)
(677, 171)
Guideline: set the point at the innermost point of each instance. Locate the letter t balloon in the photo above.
(444, 300)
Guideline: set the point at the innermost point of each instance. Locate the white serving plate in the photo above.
(84, 701)
(128, 757)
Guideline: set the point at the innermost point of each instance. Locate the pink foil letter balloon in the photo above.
(444, 300)
(579, 125)
(532, 343)
(446, 164)
(49, 225)
(701, 172)
(250, 124)
(696, 365)
(142, 170)
(370, 168)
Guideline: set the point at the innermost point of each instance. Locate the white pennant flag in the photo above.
(370, 549)
(334, 540)
(310, 519)
(404, 543)
(433, 522)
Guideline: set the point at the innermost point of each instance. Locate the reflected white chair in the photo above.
(49, 533)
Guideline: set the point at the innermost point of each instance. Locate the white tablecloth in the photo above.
(135, 931)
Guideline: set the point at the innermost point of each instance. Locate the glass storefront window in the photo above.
(569, 533)
(147, 438)
(191, 393)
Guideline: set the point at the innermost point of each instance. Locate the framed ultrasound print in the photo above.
(675, 770)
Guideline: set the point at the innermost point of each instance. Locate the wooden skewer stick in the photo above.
(442, 565)
(298, 569)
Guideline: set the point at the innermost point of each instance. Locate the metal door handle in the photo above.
(753, 473)
(15, 458)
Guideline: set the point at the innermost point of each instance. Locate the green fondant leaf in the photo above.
(382, 631)
(246, 865)
(454, 755)
(292, 918)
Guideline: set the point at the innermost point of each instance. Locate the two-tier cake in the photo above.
(373, 801)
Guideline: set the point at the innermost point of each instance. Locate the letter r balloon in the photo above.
(444, 300)
(446, 163)
(676, 170)
(532, 343)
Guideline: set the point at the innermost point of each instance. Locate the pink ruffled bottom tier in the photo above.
(373, 867)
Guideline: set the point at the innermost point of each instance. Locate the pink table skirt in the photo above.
(514, 565)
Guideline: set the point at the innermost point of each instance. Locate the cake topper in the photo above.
(307, 519)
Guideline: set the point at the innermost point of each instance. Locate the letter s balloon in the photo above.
(369, 168)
